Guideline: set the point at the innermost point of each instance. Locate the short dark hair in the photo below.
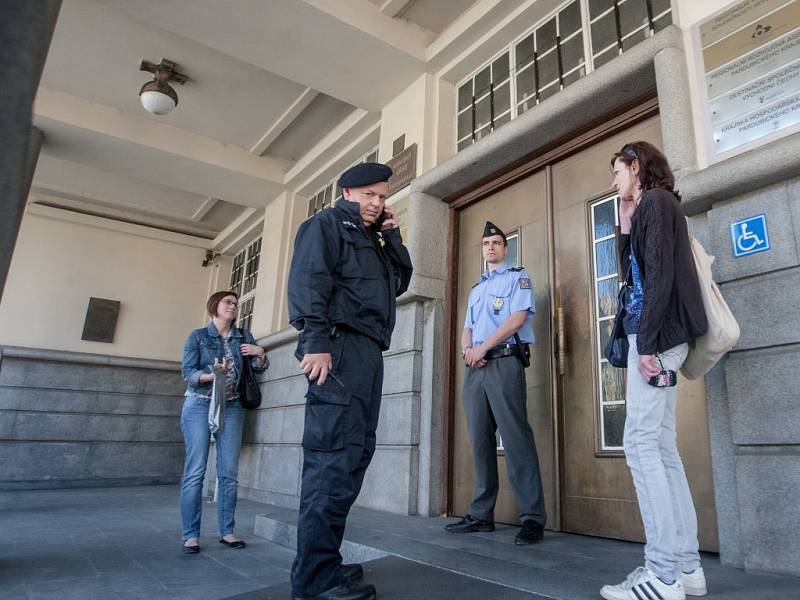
(654, 171)
(213, 301)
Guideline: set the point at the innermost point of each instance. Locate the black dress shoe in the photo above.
(531, 533)
(351, 574)
(236, 544)
(345, 592)
(191, 549)
(469, 524)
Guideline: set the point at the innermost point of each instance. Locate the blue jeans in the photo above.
(665, 501)
(197, 438)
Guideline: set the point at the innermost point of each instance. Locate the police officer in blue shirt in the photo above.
(348, 267)
(495, 344)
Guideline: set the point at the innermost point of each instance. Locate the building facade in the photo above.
(510, 111)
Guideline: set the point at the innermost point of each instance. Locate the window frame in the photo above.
(245, 269)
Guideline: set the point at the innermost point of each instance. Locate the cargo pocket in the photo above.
(326, 412)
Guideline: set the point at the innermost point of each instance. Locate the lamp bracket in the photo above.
(164, 71)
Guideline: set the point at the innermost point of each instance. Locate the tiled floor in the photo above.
(124, 543)
(115, 543)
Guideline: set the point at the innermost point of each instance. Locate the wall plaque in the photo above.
(101, 320)
(751, 66)
(404, 166)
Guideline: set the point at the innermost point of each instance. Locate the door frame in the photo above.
(624, 116)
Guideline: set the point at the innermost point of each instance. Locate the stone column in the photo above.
(674, 101)
(25, 31)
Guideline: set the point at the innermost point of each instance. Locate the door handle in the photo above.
(562, 341)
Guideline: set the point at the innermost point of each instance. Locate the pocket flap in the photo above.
(329, 392)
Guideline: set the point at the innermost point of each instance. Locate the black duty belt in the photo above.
(505, 350)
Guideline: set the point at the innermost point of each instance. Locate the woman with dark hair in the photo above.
(217, 348)
(663, 313)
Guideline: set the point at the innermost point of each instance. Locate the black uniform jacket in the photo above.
(341, 275)
(672, 308)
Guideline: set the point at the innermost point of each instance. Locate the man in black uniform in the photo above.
(348, 267)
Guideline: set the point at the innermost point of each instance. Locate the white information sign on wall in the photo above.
(751, 69)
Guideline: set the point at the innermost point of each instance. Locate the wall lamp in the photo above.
(211, 256)
(157, 96)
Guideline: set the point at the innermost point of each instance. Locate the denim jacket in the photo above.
(203, 346)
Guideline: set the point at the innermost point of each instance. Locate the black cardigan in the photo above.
(672, 309)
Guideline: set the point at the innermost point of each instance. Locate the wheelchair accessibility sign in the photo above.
(749, 236)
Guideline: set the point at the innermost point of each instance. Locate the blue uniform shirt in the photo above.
(499, 293)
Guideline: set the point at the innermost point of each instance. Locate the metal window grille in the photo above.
(578, 37)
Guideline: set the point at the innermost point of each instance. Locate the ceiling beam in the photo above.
(146, 132)
(392, 8)
(283, 122)
(204, 208)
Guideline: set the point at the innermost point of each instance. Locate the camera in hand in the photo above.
(666, 378)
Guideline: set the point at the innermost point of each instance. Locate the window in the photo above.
(244, 276)
(611, 381)
(484, 102)
(332, 193)
(550, 57)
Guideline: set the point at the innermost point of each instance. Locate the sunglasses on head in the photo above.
(630, 152)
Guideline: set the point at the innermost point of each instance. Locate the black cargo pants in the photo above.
(338, 444)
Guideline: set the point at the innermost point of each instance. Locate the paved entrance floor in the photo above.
(124, 543)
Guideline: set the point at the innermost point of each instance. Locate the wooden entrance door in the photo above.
(597, 494)
(521, 212)
(575, 399)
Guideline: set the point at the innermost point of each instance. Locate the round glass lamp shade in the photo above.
(158, 97)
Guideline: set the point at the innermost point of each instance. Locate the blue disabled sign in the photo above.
(749, 236)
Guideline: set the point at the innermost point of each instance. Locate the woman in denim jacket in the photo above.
(217, 347)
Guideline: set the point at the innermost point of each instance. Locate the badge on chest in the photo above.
(497, 305)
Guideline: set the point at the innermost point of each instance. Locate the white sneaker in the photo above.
(694, 583)
(642, 584)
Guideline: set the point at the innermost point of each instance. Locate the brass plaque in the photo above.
(404, 166)
(401, 214)
(758, 33)
(735, 18)
(101, 320)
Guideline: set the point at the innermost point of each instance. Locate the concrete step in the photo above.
(562, 567)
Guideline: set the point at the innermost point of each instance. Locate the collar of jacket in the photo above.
(212, 330)
(501, 268)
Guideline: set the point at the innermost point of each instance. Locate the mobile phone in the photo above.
(666, 378)
(380, 220)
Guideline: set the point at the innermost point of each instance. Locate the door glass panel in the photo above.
(612, 380)
(605, 258)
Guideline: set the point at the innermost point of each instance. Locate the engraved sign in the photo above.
(404, 166)
(751, 59)
(762, 91)
(735, 18)
(401, 214)
(101, 320)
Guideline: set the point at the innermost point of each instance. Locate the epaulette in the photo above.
(516, 268)
(476, 285)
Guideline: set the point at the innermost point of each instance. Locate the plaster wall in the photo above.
(62, 258)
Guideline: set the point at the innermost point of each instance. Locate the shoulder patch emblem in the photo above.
(524, 283)
(349, 225)
(516, 268)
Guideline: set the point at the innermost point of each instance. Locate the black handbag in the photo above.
(616, 350)
(249, 392)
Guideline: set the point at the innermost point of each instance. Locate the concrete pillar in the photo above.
(674, 101)
(25, 31)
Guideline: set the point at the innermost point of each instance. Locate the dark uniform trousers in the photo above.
(338, 443)
(495, 398)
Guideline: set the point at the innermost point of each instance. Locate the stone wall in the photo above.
(81, 420)
(404, 476)
(754, 397)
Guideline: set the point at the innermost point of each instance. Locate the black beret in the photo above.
(491, 229)
(364, 174)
